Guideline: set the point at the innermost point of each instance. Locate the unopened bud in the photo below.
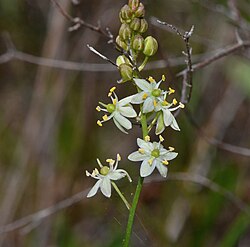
(135, 24)
(126, 72)
(121, 43)
(150, 46)
(125, 32)
(121, 60)
(126, 12)
(138, 43)
(144, 26)
(140, 12)
(133, 4)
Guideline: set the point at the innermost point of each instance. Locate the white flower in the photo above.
(153, 155)
(119, 111)
(166, 118)
(150, 94)
(105, 176)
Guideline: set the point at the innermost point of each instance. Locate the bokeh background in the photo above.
(49, 136)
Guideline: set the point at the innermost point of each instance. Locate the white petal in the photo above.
(159, 125)
(138, 98)
(125, 101)
(163, 170)
(167, 117)
(124, 122)
(175, 125)
(170, 155)
(137, 156)
(146, 169)
(115, 175)
(106, 187)
(148, 105)
(147, 146)
(127, 111)
(143, 84)
(94, 189)
(119, 126)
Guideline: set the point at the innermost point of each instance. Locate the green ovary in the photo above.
(110, 108)
(156, 92)
(104, 170)
(155, 153)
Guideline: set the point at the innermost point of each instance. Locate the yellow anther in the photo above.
(163, 78)
(171, 149)
(155, 103)
(175, 101)
(112, 89)
(147, 138)
(170, 90)
(114, 101)
(99, 123)
(98, 108)
(87, 174)
(161, 138)
(151, 79)
(165, 103)
(145, 95)
(150, 161)
(141, 151)
(109, 94)
(119, 158)
(181, 105)
(165, 162)
(105, 117)
(110, 161)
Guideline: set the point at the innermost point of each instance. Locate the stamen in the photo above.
(98, 108)
(114, 101)
(165, 162)
(155, 103)
(95, 172)
(181, 105)
(119, 158)
(141, 150)
(105, 117)
(163, 77)
(112, 89)
(161, 138)
(171, 149)
(150, 161)
(147, 138)
(171, 90)
(145, 95)
(99, 123)
(87, 174)
(175, 101)
(165, 103)
(110, 161)
(151, 79)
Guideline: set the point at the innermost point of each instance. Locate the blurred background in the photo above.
(50, 84)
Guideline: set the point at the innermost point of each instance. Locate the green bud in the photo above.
(104, 170)
(133, 4)
(125, 32)
(144, 26)
(120, 17)
(121, 43)
(122, 59)
(150, 46)
(140, 12)
(138, 43)
(126, 72)
(126, 12)
(135, 24)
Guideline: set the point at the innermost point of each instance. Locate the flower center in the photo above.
(110, 108)
(104, 170)
(156, 92)
(155, 153)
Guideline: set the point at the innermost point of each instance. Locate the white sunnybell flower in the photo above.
(166, 118)
(105, 176)
(119, 111)
(153, 155)
(150, 94)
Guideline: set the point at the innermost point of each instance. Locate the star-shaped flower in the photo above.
(153, 155)
(119, 111)
(150, 94)
(105, 176)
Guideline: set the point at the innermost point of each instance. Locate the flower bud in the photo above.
(126, 12)
(144, 26)
(120, 17)
(126, 72)
(125, 32)
(150, 46)
(135, 24)
(122, 59)
(121, 43)
(133, 4)
(138, 43)
(140, 12)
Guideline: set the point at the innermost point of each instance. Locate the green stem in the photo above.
(121, 195)
(137, 192)
(143, 64)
